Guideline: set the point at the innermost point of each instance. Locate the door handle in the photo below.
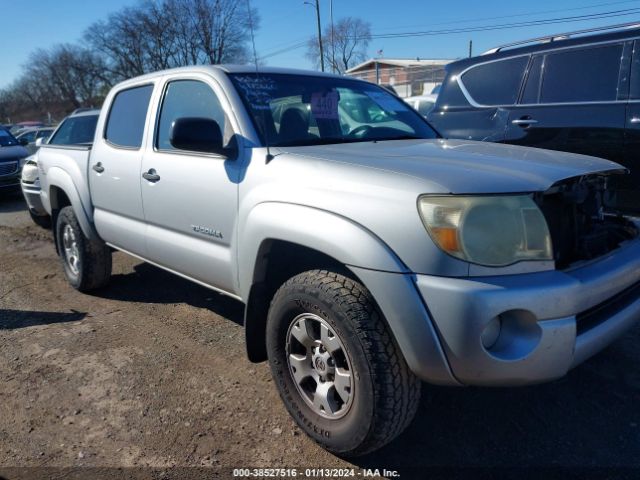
(151, 176)
(635, 120)
(524, 122)
(98, 167)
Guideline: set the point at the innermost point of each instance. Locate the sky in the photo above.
(285, 24)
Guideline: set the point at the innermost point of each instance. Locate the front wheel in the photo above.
(86, 262)
(337, 367)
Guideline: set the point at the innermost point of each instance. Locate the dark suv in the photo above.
(577, 92)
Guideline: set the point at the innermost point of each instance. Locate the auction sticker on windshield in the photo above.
(325, 105)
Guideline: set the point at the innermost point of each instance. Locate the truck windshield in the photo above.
(6, 139)
(296, 110)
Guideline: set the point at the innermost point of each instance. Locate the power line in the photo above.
(529, 14)
(483, 28)
(548, 21)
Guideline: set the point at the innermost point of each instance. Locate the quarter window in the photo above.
(587, 75)
(495, 83)
(127, 117)
(189, 98)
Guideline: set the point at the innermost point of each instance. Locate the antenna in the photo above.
(255, 61)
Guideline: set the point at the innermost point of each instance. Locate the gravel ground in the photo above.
(151, 372)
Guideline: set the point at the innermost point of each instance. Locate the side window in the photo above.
(634, 92)
(189, 98)
(495, 83)
(125, 125)
(587, 75)
(30, 137)
(532, 87)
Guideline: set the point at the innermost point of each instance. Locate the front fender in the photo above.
(58, 178)
(342, 239)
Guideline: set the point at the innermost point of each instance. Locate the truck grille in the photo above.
(580, 225)
(8, 168)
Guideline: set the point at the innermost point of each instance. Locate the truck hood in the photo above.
(462, 166)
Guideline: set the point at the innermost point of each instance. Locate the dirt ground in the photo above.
(151, 372)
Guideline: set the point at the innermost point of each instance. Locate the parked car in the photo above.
(76, 129)
(422, 103)
(370, 254)
(18, 128)
(575, 92)
(12, 158)
(28, 138)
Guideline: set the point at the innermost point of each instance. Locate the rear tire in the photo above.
(339, 371)
(86, 262)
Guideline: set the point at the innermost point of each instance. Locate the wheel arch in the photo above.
(284, 240)
(62, 192)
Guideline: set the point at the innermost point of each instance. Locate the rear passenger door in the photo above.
(574, 100)
(191, 205)
(114, 170)
(476, 105)
(629, 194)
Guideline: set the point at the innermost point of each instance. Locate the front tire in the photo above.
(86, 262)
(338, 369)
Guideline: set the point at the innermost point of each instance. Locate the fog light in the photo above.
(491, 333)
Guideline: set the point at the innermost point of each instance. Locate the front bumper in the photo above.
(549, 322)
(31, 193)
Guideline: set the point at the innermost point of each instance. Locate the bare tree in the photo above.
(151, 35)
(345, 47)
(66, 73)
(158, 35)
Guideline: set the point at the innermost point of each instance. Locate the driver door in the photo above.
(190, 199)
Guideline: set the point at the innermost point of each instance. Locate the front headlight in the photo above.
(30, 172)
(493, 231)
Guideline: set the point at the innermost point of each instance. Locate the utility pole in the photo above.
(470, 48)
(333, 43)
(316, 3)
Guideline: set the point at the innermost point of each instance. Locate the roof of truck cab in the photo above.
(226, 68)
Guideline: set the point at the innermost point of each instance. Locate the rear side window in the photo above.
(127, 116)
(76, 131)
(495, 83)
(588, 75)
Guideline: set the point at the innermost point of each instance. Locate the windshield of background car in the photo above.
(6, 139)
(75, 131)
(292, 110)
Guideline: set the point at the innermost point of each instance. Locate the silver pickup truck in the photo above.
(370, 253)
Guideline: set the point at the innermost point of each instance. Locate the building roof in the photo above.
(399, 62)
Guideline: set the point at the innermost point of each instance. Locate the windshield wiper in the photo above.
(399, 137)
(321, 141)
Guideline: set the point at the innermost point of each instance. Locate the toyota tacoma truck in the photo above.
(370, 253)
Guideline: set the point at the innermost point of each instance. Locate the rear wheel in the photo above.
(86, 262)
(338, 370)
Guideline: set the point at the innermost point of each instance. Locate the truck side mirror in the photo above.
(197, 135)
